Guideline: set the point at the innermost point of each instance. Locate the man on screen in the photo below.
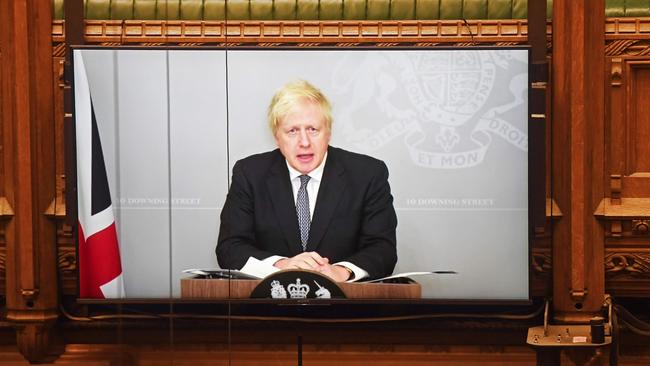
(308, 205)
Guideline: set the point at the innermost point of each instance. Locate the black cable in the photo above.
(632, 321)
(469, 29)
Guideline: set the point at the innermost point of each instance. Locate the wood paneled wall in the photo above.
(622, 213)
(625, 210)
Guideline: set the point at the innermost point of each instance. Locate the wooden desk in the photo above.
(196, 288)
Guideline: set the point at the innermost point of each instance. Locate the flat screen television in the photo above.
(452, 125)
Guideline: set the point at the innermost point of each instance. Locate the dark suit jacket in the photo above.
(354, 219)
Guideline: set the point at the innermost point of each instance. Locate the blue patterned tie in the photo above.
(302, 210)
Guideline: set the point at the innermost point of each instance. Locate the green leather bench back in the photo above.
(327, 9)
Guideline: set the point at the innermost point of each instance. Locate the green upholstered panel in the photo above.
(615, 8)
(98, 9)
(519, 9)
(636, 8)
(427, 9)
(57, 9)
(307, 10)
(354, 9)
(168, 9)
(191, 9)
(328, 9)
(214, 9)
(144, 10)
(499, 9)
(378, 9)
(261, 9)
(402, 9)
(237, 10)
(284, 9)
(451, 9)
(122, 9)
(475, 9)
(331, 9)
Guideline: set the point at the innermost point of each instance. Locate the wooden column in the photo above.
(577, 157)
(28, 182)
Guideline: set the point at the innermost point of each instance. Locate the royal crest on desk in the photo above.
(297, 284)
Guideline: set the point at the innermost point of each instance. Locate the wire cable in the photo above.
(501, 316)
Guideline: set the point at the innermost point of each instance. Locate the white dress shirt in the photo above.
(313, 185)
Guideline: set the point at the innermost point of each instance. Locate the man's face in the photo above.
(303, 137)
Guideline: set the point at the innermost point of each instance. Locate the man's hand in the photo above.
(306, 260)
(335, 272)
(313, 261)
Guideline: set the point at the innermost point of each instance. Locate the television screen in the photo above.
(450, 124)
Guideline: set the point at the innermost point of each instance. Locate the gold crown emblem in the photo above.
(298, 290)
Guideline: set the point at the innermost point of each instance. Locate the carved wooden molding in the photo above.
(619, 28)
(541, 262)
(314, 33)
(67, 260)
(641, 227)
(627, 263)
(616, 72)
(625, 36)
(3, 261)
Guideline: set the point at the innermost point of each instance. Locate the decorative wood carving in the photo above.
(627, 263)
(616, 228)
(67, 261)
(292, 32)
(616, 71)
(640, 227)
(3, 260)
(627, 211)
(541, 262)
(620, 28)
(625, 36)
(34, 339)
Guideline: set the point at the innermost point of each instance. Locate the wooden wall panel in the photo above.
(31, 291)
(578, 157)
(4, 204)
(625, 211)
(627, 239)
(638, 129)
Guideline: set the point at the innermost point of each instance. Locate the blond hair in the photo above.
(291, 95)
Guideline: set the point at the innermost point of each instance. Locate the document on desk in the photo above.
(409, 274)
(254, 269)
(257, 268)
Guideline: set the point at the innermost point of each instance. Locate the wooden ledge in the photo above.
(6, 211)
(552, 209)
(629, 208)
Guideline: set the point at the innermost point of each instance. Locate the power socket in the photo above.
(564, 336)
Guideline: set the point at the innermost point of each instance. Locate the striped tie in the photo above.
(302, 210)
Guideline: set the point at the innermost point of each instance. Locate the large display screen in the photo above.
(450, 124)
